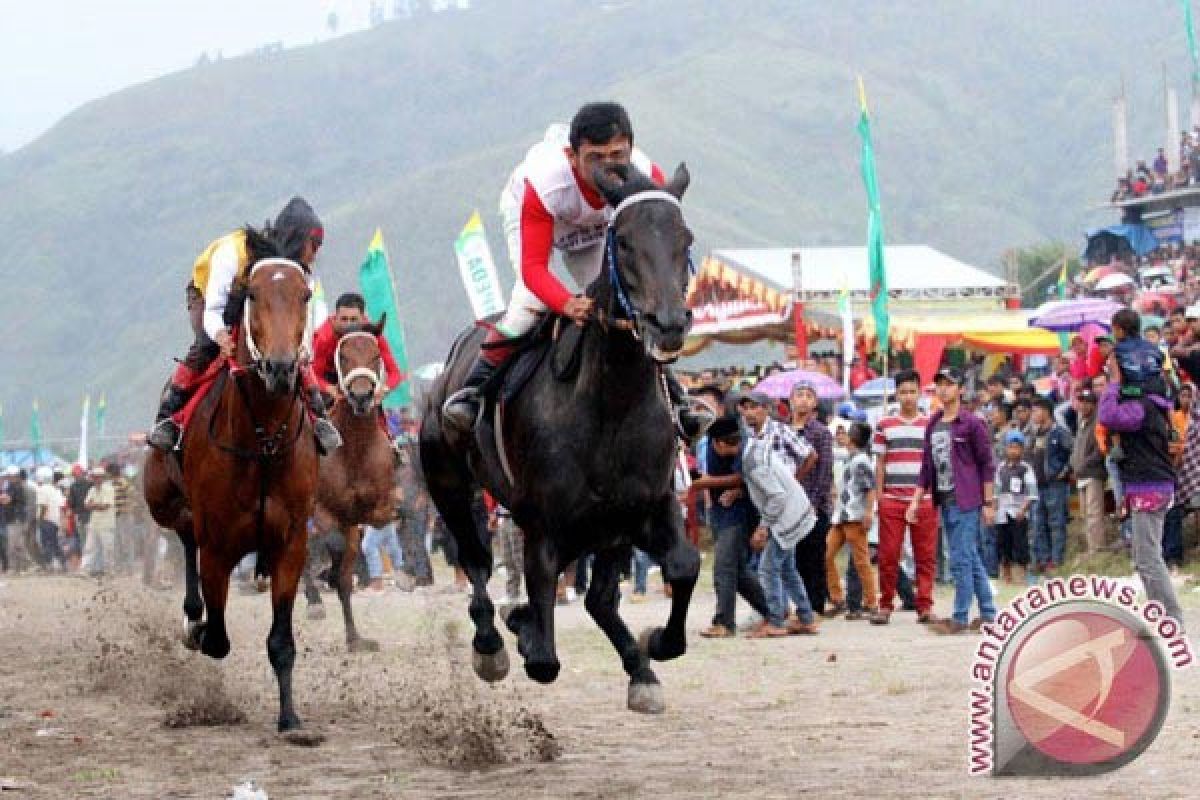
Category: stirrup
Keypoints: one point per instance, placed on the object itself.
(693, 420)
(461, 409)
(328, 437)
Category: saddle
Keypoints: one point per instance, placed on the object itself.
(554, 337)
(203, 384)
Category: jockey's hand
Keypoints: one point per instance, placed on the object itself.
(225, 342)
(578, 308)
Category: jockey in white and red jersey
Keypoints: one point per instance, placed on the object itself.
(218, 272)
(551, 202)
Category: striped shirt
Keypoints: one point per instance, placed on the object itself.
(900, 443)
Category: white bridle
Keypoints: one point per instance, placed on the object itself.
(306, 342)
(638, 197)
(378, 377)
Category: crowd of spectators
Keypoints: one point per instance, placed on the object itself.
(1143, 180)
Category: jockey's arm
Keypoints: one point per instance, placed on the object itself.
(324, 346)
(222, 272)
(537, 240)
(394, 375)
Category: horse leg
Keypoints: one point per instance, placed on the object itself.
(214, 582)
(663, 540)
(343, 569)
(193, 604)
(602, 602)
(534, 622)
(286, 566)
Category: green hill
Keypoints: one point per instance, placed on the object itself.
(992, 127)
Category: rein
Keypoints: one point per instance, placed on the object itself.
(377, 377)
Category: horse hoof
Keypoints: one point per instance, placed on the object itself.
(213, 648)
(301, 737)
(193, 632)
(315, 612)
(361, 645)
(542, 672)
(490, 668)
(647, 698)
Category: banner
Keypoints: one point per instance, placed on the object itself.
(83, 432)
(1191, 225)
(1167, 228)
(35, 431)
(722, 300)
(101, 416)
(379, 290)
(847, 314)
(319, 307)
(478, 270)
(878, 270)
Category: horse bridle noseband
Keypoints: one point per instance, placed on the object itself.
(377, 377)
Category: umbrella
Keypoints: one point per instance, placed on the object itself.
(876, 387)
(1071, 315)
(780, 384)
(1157, 303)
(1153, 321)
(1118, 280)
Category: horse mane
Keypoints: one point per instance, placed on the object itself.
(260, 243)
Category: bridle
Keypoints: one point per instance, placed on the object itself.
(377, 377)
(247, 314)
(631, 320)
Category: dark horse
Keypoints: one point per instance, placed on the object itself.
(591, 460)
(247, 473)
(356, 480)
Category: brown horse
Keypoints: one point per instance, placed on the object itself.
(355, 486)
(246, 477)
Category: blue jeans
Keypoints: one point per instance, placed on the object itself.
(1050, 522)
(970, 578)
(1114, 476)
(987, 550)
(1172, 542)
(375, 541)
(781, 582)
(641, 567)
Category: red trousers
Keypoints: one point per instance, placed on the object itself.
(891, 543)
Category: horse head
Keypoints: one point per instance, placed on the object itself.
(276, 322)
(647, 259)
(360, 370)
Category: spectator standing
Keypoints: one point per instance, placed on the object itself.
(732, 519)
(1016, 492)
(1050, 454)
(1087, 463)
(1173, 525)
(817, 481)
(7, 492)
(1147, 470)
(510, 547)
(958, 469)
(898, 446)
(377, 541)
(81, 484)
(50, 504)
(100, 546)
(853, 518)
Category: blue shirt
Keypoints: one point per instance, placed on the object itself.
(742, 511)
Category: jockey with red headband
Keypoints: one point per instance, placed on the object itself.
(551, 202)
(223, 267)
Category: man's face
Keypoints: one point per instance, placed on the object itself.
(1013, 451)
(346, 318)
(1106, 347)
(308, 254)
(804, 401)
(1099, 384)
(999, 418)
(1022, 415)
(754, 414)
(618, 150)
(1179, 324)
(727, 446)
(1040, 416)
(1153, 335)
(907, 395)
(1014, 382)
(948, 392)
(1087, 407)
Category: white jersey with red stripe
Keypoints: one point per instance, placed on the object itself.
(578, 224)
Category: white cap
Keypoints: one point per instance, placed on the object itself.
(1193, 311)
(12, 471)
(44, 474)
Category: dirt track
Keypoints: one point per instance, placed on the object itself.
(124, 711)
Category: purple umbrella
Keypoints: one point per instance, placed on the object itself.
(1071, 315)
(781, 383)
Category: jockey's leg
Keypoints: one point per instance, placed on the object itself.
(167, 431)
(461, 409)
(328, 438)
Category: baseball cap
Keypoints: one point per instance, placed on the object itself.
(950, 374)
(1014, 437)
(1193, 311)
(845, 409)
(758, 398)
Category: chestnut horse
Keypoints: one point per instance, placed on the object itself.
(246, 476)
(356, 480)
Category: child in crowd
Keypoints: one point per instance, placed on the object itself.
(1016, 492)
(852, 519)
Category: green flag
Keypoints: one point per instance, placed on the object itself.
(878, 271)
(379, 290)
(1064, 341)
(35, 431)
(1191, 37)
(101, 414)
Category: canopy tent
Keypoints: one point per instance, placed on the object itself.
(1101, 244)
(742, 296)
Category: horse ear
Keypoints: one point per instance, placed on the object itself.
(611, 181)
(377, 328)
(679, 181)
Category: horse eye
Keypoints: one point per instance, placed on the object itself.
(250, 295)
(308, 296)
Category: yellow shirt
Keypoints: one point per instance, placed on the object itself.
(202, 268)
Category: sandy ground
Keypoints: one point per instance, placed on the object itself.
(98, 699)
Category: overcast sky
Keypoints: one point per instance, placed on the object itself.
(57, 54)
